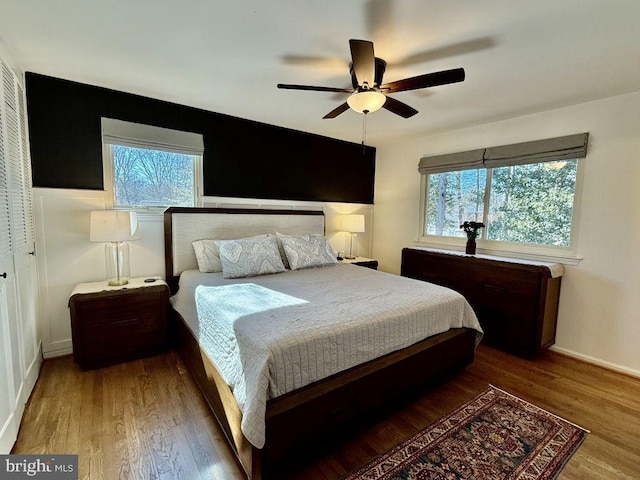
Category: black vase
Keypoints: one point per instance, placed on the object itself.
(471, 246)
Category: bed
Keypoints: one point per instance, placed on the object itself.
(288, 356)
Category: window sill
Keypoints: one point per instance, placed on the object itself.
(566, 259)
(149, 214)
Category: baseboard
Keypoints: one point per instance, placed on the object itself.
(596, 361)
(59, 348)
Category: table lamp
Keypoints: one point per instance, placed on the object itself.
(116, 228)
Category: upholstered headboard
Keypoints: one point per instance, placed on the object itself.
(184, 225)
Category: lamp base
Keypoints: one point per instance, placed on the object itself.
(352, 254)
(117, 263)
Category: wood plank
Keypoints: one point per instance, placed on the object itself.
(147, 418)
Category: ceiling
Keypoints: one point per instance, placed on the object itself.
(520, 56)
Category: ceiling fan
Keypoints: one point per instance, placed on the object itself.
(369, 93)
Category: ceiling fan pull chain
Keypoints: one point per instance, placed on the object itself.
(364, 132)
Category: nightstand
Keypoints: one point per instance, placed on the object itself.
(115, 324)
(362, 262)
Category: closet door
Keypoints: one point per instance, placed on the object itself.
(10, 368)
(20, 359)
(23, 236)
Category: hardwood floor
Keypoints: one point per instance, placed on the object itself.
(146, 419)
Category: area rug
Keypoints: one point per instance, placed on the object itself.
(495, 436)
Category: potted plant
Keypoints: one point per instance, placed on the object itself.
(471, 229)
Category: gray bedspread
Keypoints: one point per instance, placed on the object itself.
(272, 334)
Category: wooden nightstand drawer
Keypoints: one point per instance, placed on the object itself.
(132, 312)
(117, 325)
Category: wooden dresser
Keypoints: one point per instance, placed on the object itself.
(516, 301)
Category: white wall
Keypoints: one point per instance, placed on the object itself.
(66, 257)
(599, 316)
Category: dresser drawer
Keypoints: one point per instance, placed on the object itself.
(450, 271)
(505, 281)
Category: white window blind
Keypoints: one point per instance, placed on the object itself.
(538, 151)
(128, 134)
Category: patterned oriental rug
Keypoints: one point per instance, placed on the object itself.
(495, 436)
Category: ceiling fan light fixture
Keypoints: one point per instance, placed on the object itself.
(367, 101)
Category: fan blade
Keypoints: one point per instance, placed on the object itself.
(316, 89)
(316, 61)
(456, 49)
(379, 20)
(399, 108)
(425, 81)
(337, 111)
(363, 62)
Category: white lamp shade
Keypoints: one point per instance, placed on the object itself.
(113, 226)
(367, 101)
(352, 223)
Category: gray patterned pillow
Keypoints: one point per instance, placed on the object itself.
(207, 254)
(306, 251)
(249, 257)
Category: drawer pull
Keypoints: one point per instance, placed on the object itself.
(493, 288)
(4, 275)
(126, 321)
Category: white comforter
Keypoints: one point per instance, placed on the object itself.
(272, 334)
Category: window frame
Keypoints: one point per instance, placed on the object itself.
(150, 137)
(564, 254)
(109, 183)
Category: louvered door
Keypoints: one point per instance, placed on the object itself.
(10, 364)
(14, 160)
(20, 358)
(6, 249)
(21, 217)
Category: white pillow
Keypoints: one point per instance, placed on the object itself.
(207, 256)
(249, 257)
(307, 251)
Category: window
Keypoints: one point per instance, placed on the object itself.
(525, 194)
(152, 178)
(150, 167)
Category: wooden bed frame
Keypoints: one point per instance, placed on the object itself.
(324, 406)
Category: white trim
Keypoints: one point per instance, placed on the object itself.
(62, 352)
(458, 245)
(596, 361)
(238, 202)
(108, 182)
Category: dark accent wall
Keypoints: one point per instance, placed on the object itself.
(242, 158)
